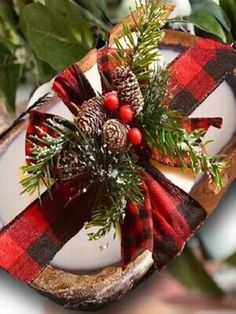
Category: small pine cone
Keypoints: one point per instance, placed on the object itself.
(128, 89)
(91, 116)
(114, 135)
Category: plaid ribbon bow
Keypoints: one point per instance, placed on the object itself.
(168, 216)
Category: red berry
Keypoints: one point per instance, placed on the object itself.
(111, 101)
(135, 136)
(126, 114)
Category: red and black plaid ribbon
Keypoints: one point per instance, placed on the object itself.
(190, 124)
(73, 88)
(164, 222)
(34, 237)
(197, 72)
(168, 216)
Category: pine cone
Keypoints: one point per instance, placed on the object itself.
(128, 89)
(114, 135)
(91, 116)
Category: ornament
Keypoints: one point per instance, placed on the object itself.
(115, 189)
(126, 114)
(135, 136)
(128, 89)
(114, 135)
(111, 101)
(91, 116)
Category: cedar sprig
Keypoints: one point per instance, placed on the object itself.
(48, 156)
(44, 156)
(149, 20)
(89, 158)
(163, 129)
(115, 175)
(121, 183)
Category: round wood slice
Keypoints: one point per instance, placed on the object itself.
(93, 290)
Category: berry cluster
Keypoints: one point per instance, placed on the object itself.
(125, 114)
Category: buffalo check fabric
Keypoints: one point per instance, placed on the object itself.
(168, 215)
(175, 214)
(107, 61)
(73, 88)
(190, 124)
(198, 71)
(105, 66)
(38, 127)
(162, 224)
(34, 237)
(137, 228)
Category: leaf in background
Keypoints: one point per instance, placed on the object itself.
(229, 6)
(7, 12)
(4, 53)
(207, 23)
(19, 5)
(44, 72)
(91, 6)
(95, 7)
(71, 12)
(8, 24)
(189, 271)
(102, 4)
(94, 12)
(9, 78)
(213, 9)
(232, 260)
(54, 38)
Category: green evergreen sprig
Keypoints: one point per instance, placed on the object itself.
(121, 183)
(43, 157)
(149, 20)
(71, 155)
(116, 177)
(163, 129)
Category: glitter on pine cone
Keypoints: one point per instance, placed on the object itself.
(128, 89)
(114, 135)
(91, 116)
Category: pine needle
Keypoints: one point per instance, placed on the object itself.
(163, 129)
(149, 21)
(43, 156)
(75, 155)
(121, 183)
